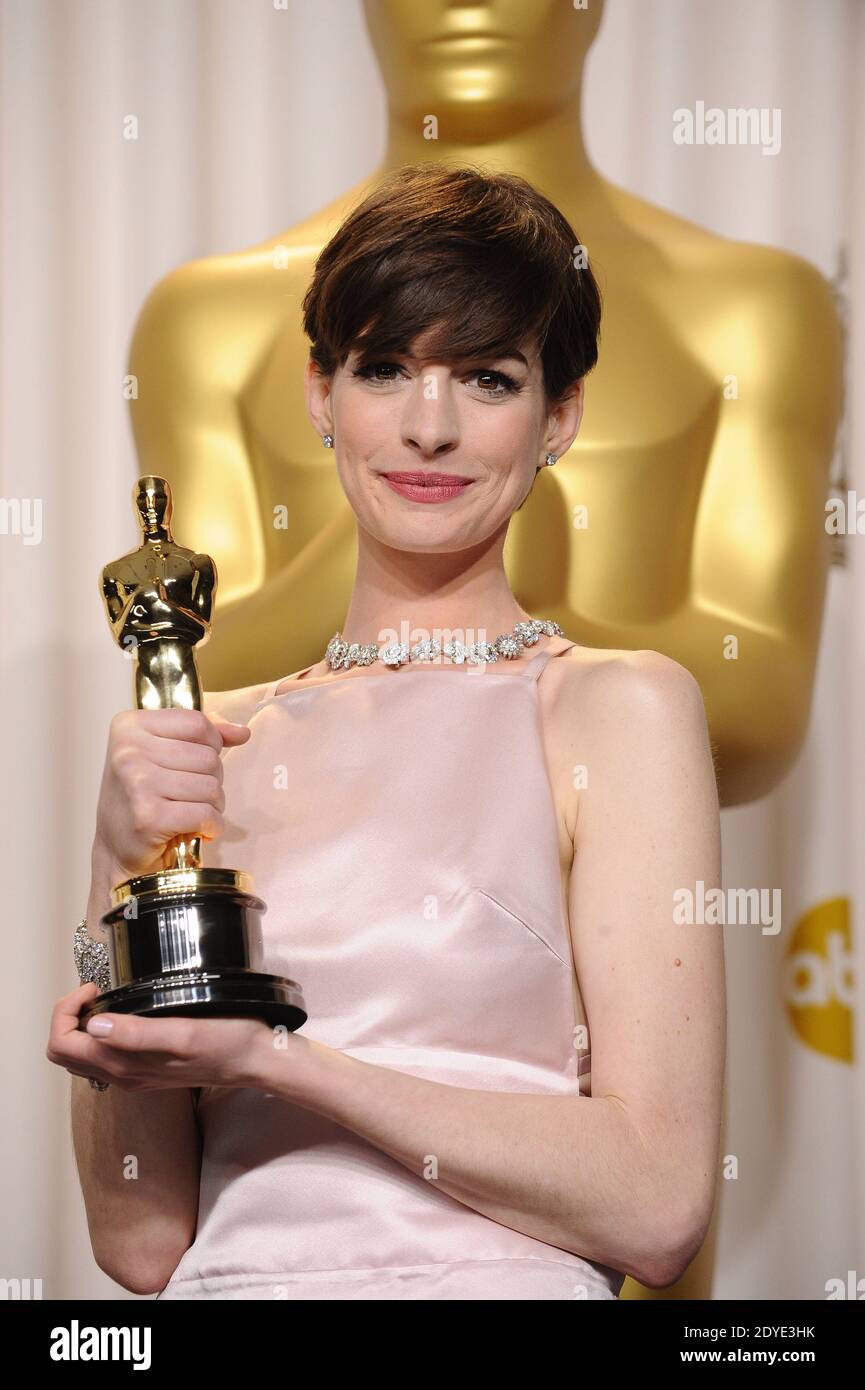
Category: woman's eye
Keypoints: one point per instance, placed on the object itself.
(368, 371)
(500, 379)
(501, 383)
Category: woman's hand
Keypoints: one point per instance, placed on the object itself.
(147, 1054)
(162, 778)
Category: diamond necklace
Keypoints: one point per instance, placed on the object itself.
(340, 654)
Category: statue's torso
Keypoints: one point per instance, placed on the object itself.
(661, 528)
(157, 590)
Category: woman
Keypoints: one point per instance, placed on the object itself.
(509, 1084)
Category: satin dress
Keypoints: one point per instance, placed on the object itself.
(400, 827)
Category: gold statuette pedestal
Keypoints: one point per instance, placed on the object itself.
(184, 939)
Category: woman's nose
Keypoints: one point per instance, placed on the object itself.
(430, 424)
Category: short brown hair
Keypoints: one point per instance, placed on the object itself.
(479, 261)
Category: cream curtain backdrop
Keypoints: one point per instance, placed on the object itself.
(250, 118)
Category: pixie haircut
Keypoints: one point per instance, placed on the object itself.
(478, 261)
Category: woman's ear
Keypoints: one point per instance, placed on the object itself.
(316, 390)
(565, 418)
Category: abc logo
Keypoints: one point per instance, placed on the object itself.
(818, 979)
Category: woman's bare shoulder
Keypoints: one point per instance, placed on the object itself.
(597, 690)
(618, 668)
(619, 710)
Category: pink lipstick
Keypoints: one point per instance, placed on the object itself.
(427, 487)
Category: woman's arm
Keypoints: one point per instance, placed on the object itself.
(139, 1160)
(625, 1177)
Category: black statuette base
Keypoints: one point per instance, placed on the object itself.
(204, 994)
(189, 944)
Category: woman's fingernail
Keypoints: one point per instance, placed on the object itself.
(100, 1025)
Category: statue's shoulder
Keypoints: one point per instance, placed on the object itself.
(124, 567)
(733, 294)
(201, 290)
(766, 274)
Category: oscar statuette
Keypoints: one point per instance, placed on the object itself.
(185, 939)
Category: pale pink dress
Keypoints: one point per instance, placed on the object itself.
(400, 826)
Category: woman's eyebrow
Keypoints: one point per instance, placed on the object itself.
(512, 356)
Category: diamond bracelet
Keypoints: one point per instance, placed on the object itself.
(91, 958)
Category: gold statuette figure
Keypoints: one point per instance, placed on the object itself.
(185, 939)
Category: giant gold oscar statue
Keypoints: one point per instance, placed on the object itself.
(706, 535)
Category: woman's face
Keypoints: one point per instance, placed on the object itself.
(486, 421)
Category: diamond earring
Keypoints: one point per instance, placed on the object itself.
(551, 459)
(327, 441)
